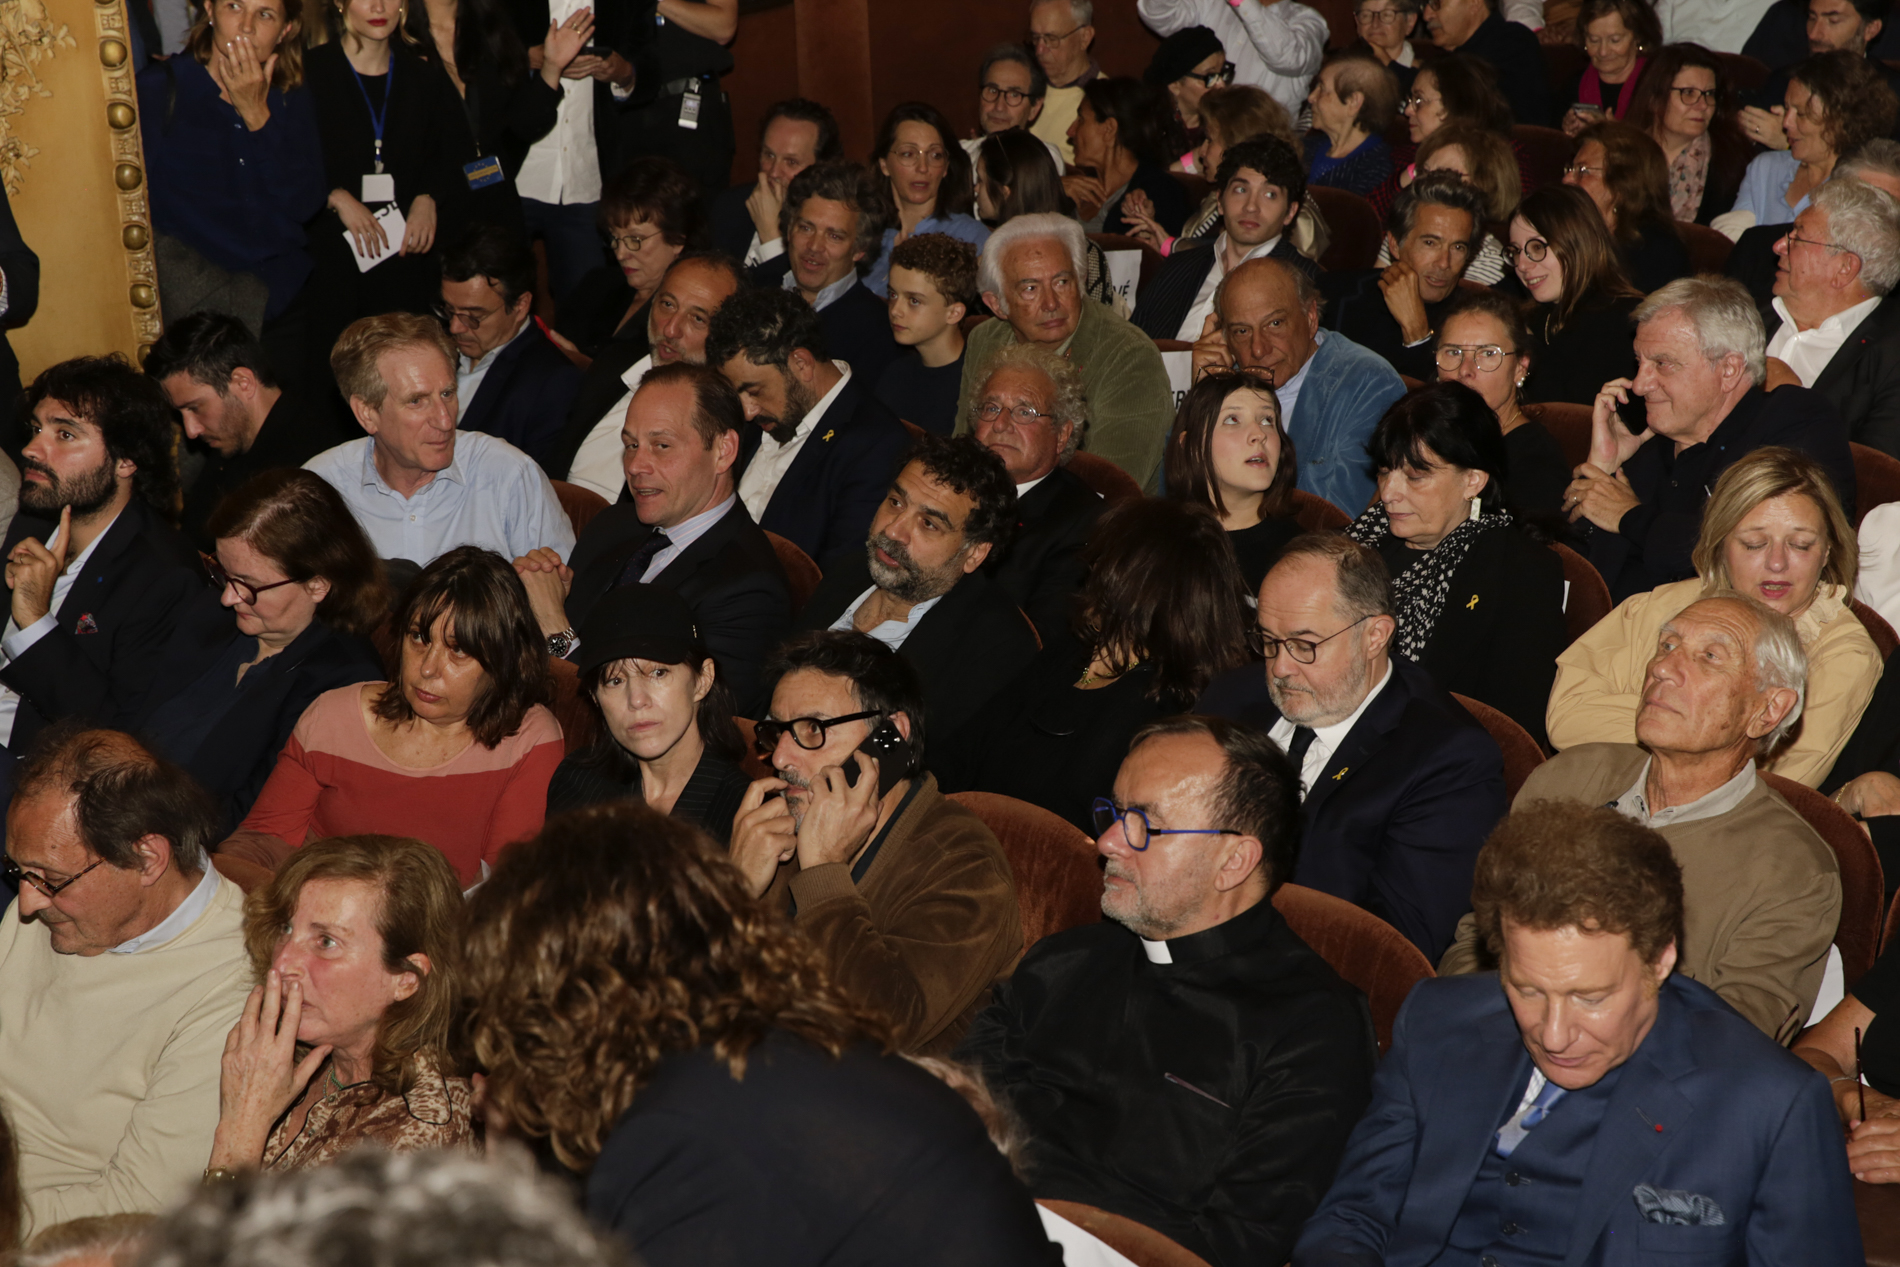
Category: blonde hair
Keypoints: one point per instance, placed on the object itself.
(356, 358)
(1766, 473)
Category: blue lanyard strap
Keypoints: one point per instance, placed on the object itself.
(377, 118)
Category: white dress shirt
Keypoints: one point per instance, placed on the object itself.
(1204, 300)
(196, 903)
(684, 533)
(564, 166)
(1276, 48)
(769, 464)
(829, 294)
(469, 374)
(597, 462)
(889, 632)
(1807, 352)
(17, 641)
(1326, 739)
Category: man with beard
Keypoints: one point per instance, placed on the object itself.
(906, 892)
(1399, 785)
(916, 587)
(100, 577)
(830, 445)
(1188, 1062)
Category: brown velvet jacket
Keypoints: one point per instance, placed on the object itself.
(930, 929)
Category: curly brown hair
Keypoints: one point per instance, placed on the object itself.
(1562, 864)
(614, 939)
(1856, 103)
(420, 913)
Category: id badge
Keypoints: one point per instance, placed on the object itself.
(483, 172)
(689, 108)
(378, 187)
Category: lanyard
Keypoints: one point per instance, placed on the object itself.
(377, 118)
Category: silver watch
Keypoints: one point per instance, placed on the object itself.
(561, 645)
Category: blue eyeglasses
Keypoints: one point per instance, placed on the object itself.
(1136, 829)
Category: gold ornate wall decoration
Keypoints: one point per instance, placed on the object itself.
(27, 38)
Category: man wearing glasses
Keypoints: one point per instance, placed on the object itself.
(1275, 45)
(510, 379)
(1060, 32)
(1011, 91)
(122, 970)
(1399, 785)
(906, 892)
(1187, 1062)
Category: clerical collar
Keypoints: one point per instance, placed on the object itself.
(1157, 951)
(1237, 933)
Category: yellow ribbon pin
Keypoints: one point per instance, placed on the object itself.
(1342, 773)
(1472, 604)
(830, 434)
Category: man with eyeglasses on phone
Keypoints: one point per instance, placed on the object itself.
(1400, 785)
(907, 893)
(1188, 1062)
(510, 379)
(1011, 89)
(122, 970)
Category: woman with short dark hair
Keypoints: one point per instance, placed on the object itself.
(457, 750)
(1581, 335)
(1164, 609)
(306, 591)
(1229, 451)
(1479, 603)
(649, 213)
(1016, 177)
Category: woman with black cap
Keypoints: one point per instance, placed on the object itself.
(667, 735)
(1187, 64)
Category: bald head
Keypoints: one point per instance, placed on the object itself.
(1269, 312)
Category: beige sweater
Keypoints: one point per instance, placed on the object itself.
(109, 1064)
(1600, 678)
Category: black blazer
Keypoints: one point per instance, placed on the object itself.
(1656, 260)
(1041, 567)
(22, 269)
(1862, 379)
(1514, 55)
(1395, 821)
(1165, 302)
(857, 324)
(1597, 344)
(826, 498)
(1875, 745)
(1172, 206)
(709, 801)
(1753, 261)
(590, 316)
(142, 587)
(730, 577)
(1355, 306)
(291, 434)
(965, 649)
(525, 397)
(730, 224)
(239, 755)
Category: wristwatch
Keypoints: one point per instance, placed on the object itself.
(561, 645)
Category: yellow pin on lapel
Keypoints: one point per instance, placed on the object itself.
(1472, 604)
(830, 434)
(1342, 773)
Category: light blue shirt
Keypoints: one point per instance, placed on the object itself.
(196, 903)
(492, 495)
(829, 294)
(889, 632)
(959, 226)
(1765, 188)
(685, 533)
(1288, 393)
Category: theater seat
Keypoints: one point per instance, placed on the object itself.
(1521, 753)
(1876, 480)
(1569, 426)
(801, 574)
(1137, 1242)
(1056, 868)
(1546, 152)
(1315, 514)
(1588, 598)
(1357, 231)
(1877, 628)
(1151, 259)
(1360, 946)
(1708, 248)
(581, 504)
(1863, 887)
(1113, 484)
(579, 726)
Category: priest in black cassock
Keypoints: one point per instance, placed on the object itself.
(1191, 1065)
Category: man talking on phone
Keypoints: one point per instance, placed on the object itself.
(907, 893)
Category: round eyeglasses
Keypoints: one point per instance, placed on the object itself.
(1013, 96)
(1486, 356)
(1136, 829)
(1305, 650)
(1536, 250)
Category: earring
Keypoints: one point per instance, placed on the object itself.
(1476, 509)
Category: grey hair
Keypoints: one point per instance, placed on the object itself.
(1083, 11)
(376, 1209)
(1879, 157)
(1071, 397)
(1019, 229)
(1362, 586)
(1780, 662)
(1723, 314)
(1862, 220)
(1304, 291)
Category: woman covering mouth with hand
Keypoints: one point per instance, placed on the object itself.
(1773, 531)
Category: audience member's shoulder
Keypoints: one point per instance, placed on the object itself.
(1116, 332)
(1729, 1048)
(1440, 1004)
(492, 456)
(1590, 772)
(1345, 357)
(345, 458)
(538, 726)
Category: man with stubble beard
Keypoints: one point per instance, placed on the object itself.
(99, 576)
(916, 584)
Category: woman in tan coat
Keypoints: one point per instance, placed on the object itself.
(1773, 531)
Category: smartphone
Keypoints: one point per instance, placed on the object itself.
(1585, 107)
(892, 751)
(1634, 413)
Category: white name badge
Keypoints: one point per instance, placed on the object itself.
(380, 187)
(1180, 367)
(1124, 273)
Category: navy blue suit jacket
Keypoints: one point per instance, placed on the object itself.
(525, 397)
(1395, 821)
(825, 499)
(1707, 1104)
(728, 222)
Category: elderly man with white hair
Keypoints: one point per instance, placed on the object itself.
(1700, 365)
(1031, 273)
(1761, 890)
(1835, 323)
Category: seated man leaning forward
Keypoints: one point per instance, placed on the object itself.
(1187, 1063)
(1031, 273)
(1586, 1104)
(907, 892)
(122, 968)
(417, 485)
(1724, 687)
(1332, 392)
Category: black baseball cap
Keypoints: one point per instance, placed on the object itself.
(643, 622)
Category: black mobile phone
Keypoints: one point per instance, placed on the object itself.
(892, 751)
(1635, 414)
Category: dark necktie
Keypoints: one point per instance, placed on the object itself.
(636, 565)
(1303, 737)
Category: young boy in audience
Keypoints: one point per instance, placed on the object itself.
(933, 277)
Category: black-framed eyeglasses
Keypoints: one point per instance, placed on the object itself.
(1689, 96)
(1021, 415)
(633, 242)
(1487, 356)
(1014, 96)
(16, 876)
(1305, 650)
(1379, 17)
(247, 593)
(1137, 830)
(469, 317)
(807, 732)
(1536, 250)
(1225, 75)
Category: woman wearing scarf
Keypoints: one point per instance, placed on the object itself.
(1618, 36)
(1479, 602)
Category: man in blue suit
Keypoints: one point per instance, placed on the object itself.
(1398, 784)
(1583, 1105)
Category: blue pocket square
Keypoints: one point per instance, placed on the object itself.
(1673, 1206)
